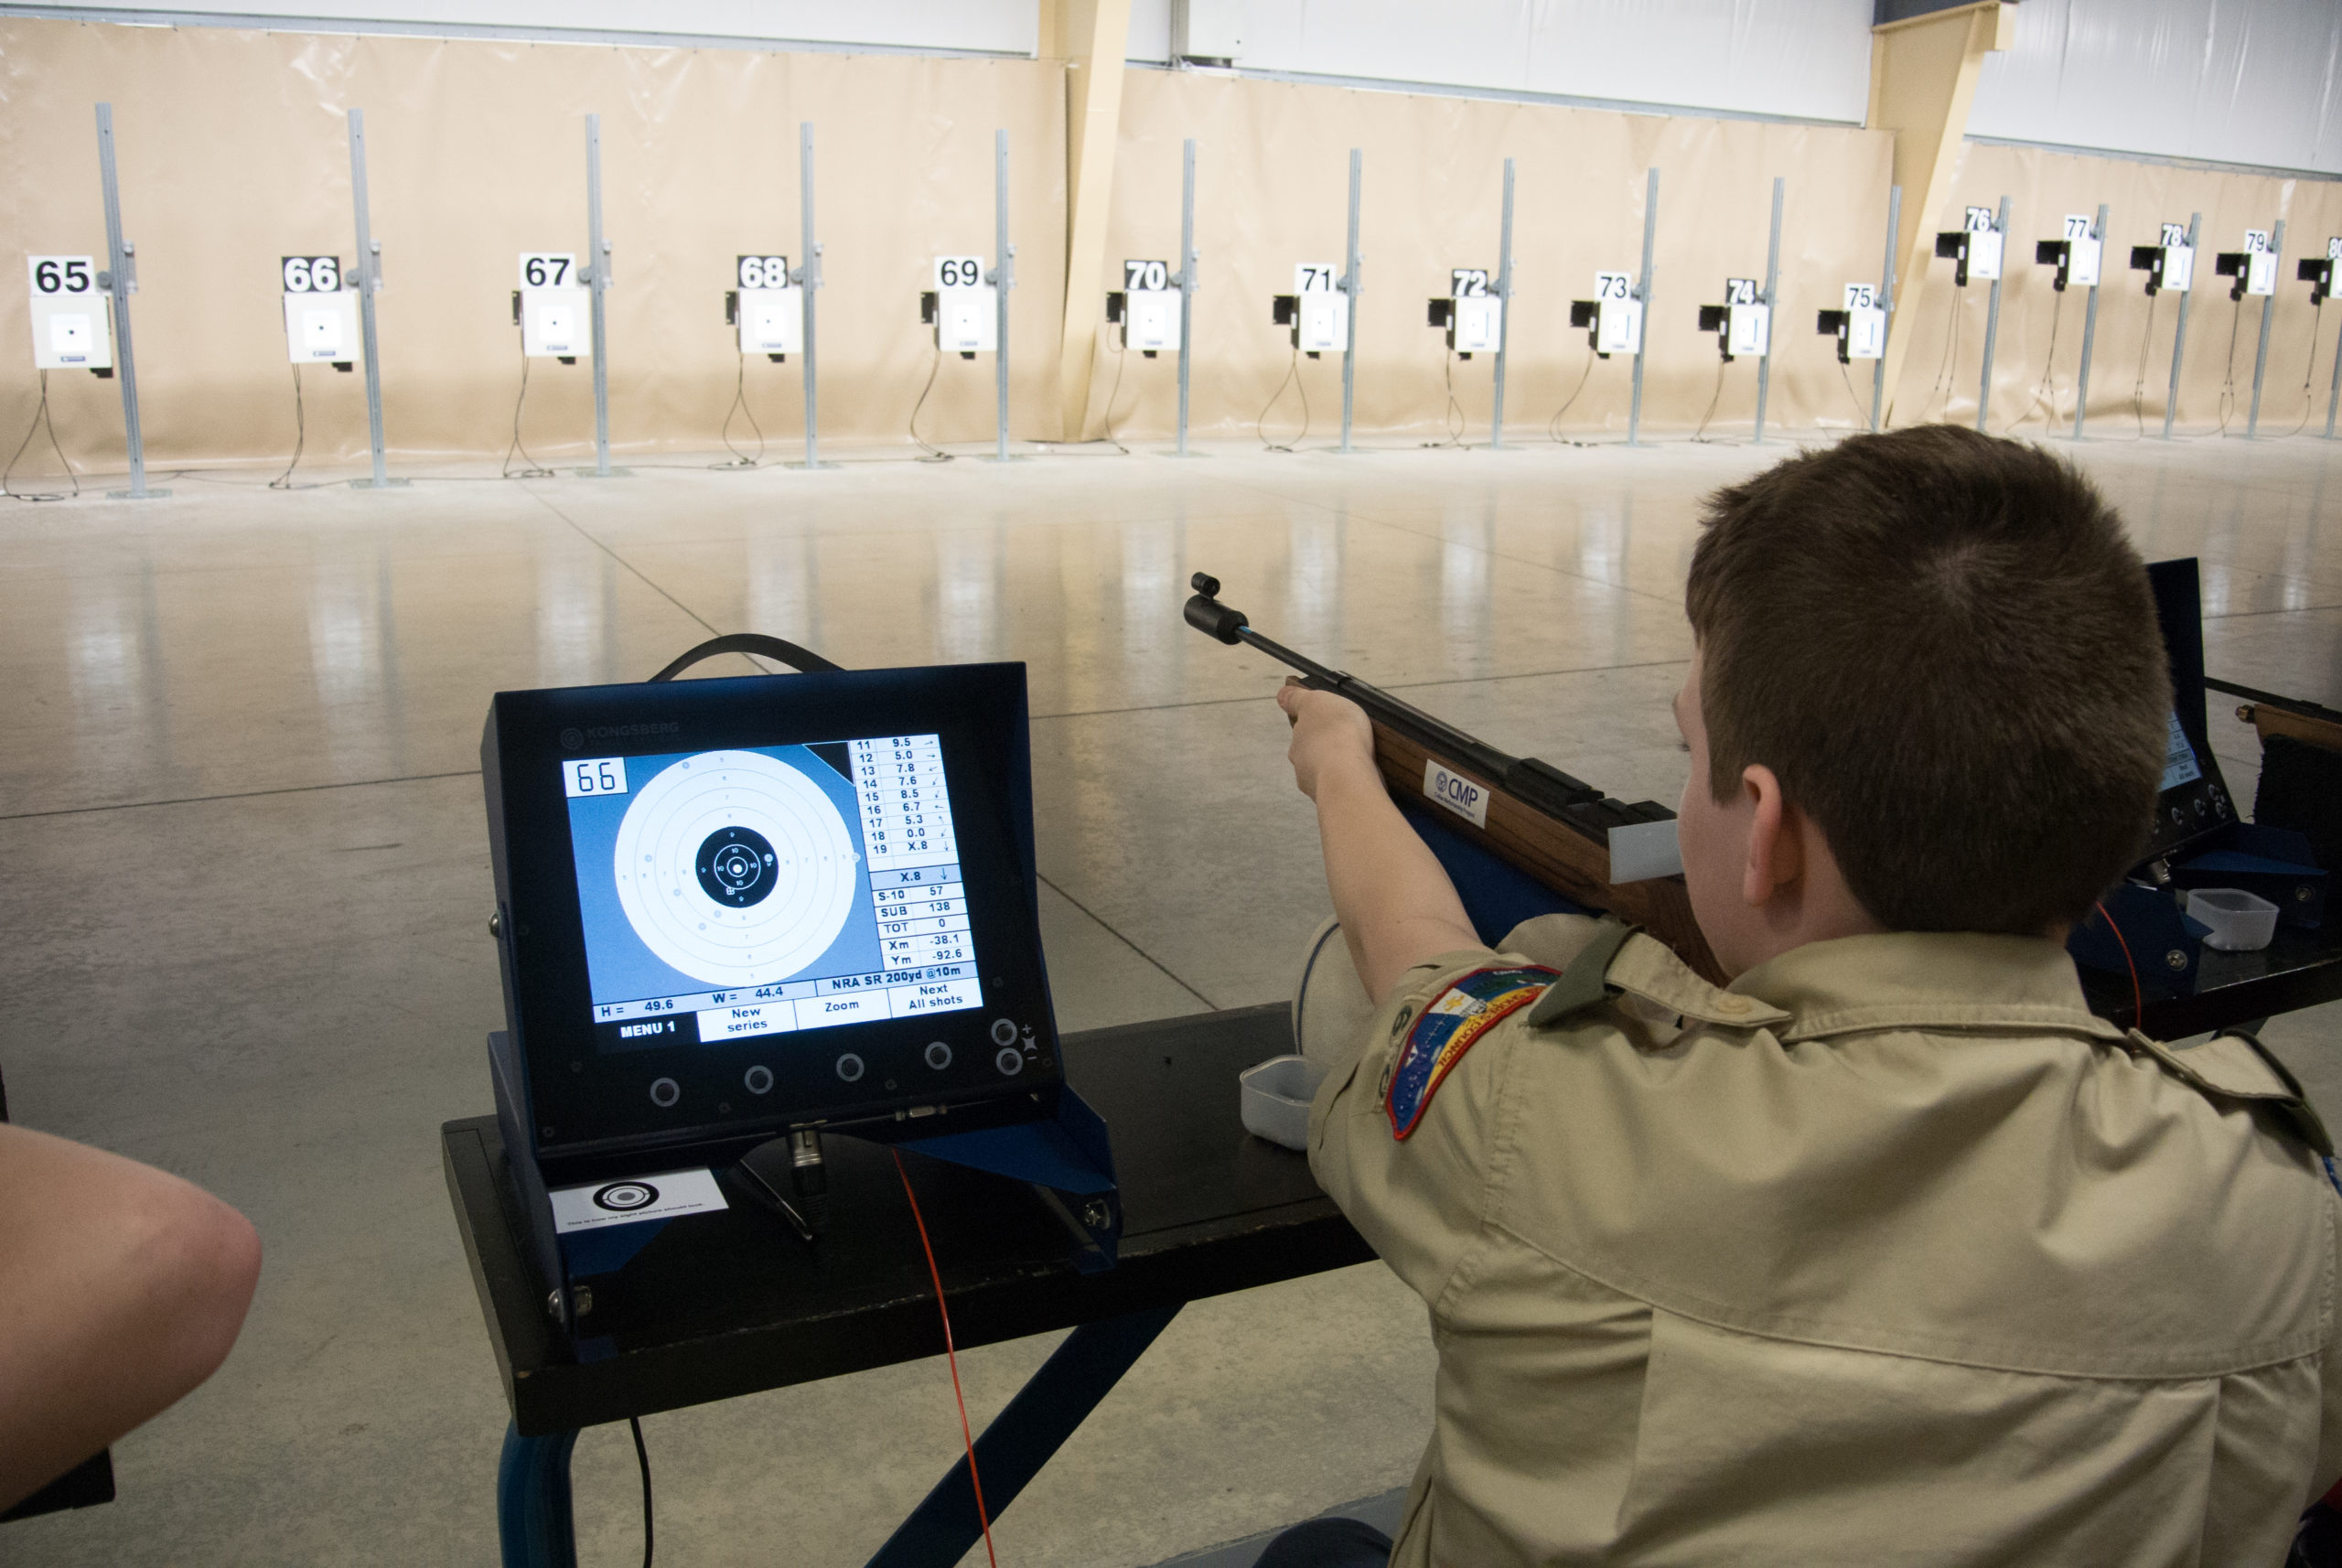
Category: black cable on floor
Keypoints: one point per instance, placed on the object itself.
(1950, 369)
(1554, 425)
(642, 1458)
(1292, 374)
(2048, 385)
(1122, 354)
(1862, 415)
(534, 469)
(41, 416)
(2228, 387)
(1454, 413)
(1700, 435)
(2139, 391)
(283, 481)
(934, 454)
(2309, 398)
(740, 405)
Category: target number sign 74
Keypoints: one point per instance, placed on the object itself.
(1740, 291)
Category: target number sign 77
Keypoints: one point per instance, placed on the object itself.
(2077, 226)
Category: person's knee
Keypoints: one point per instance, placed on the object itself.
(1328, 1543)
(196, 1262)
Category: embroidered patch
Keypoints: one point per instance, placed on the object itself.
(1458, 1015)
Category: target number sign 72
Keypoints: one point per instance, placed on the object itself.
(1147, 277)
(548, 269)
(762, 272)
(311, 275)
(1468, 283)
(958, 271)
(61, 274)
(594, 776)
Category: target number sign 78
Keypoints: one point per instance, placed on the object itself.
(594, 776)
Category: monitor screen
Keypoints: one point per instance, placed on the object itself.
(2179, 765)
(767, 889)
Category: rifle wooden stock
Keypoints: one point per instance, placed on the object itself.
(1555, 853)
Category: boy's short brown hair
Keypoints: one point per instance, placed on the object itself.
(1945, 647)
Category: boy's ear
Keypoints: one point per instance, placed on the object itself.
(1776, 838)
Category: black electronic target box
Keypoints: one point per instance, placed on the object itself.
(733, 910)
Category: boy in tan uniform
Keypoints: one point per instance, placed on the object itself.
(1891, 1251)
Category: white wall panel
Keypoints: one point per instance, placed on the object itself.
(2243, 81)
(1004, 26)
(1802, 58)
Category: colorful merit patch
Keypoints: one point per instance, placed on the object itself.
(1458, 1015)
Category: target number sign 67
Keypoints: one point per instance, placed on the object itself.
(594, 776)
(958, 271)
(1147, 277)
(762, 272)
(61, 274)
(548, 269)
(311, 275)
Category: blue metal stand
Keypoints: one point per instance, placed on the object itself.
(533, 1523)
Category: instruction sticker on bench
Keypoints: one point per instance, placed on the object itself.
(666, 1196)
(1458, 794)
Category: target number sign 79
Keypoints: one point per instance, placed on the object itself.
(61, 274)
(311, 275)
(548, 269)
(1147, 277)
(958, 271)
(594, 776)
(762, 272)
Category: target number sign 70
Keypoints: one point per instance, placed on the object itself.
(1147, 277)
(311, 275)
(958, 271)
(594, 776)
(548, 269)
(762, 272)
(61, 274)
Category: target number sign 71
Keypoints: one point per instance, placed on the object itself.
(1313, 278)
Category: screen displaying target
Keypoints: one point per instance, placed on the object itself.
(764, 890)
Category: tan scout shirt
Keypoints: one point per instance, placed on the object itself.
(1895, 1253)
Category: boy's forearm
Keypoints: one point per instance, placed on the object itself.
(1394, 899)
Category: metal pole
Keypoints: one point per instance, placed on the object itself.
(1350, 291)
(597, 257)
(1187, 259)
(2335, 394)
(808, 281)
(1886, 304)
(2179, 336)
(1772, 280)
(366, 272)
(1992, 321)
(2268, 309)
(1504, 310)
(1642, 294)
(1003, 279)
(2089, 327)
(121, 279)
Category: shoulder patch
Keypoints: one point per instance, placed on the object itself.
(1467, 1008)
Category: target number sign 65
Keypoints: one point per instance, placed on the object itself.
(61, 274)
(548, 269)
(1147, 277)
(958, 271)
(594, 776)
(1313, 278)
(1468, 283)
(311, 275)
(763, 271)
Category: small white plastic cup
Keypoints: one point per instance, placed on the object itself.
(1276, 1096)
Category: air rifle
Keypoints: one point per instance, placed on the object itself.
(1560, 830)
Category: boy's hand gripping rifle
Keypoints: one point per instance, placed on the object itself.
(1561, 831)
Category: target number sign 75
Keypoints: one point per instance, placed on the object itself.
(61, 274)
(594, 776)
(1861, 296)
(548, 269)
(1147, 277)
(958, 271)
(762, 272)
(311, 275)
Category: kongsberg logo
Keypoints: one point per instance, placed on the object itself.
(570, 739)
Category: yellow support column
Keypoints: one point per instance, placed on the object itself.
(1922, 84)
(1092, 36)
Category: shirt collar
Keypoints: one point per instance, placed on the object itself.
(1925, 979)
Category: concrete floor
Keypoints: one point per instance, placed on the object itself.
(243, 920)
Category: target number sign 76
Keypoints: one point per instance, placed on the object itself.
(61, 274)
(594, 776)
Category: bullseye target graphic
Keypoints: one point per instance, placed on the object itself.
(735, 868)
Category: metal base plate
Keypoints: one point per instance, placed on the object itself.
(612, 474)
(383, 485)
(134, 496)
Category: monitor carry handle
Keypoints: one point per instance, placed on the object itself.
(804, 660)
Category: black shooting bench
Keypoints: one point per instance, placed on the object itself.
(736, 1303)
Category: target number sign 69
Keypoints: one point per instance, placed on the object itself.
(311, 275)
(1147, 277)
(61, 274)
(1468, 283)
(762, 272)
(958, 271)
(1740, 291)
(1613, 286)
(548, 269)
(1313, 278)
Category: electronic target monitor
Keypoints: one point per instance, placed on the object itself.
(729, 907)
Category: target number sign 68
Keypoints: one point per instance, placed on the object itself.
(1147, 277)
(763, 271)
(594, 776)
(548, 269)
(61, 274)
(311, 275)
(958, 271)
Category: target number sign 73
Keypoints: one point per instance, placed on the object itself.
(1613, 286)
(61, 274)
(1147, 277)
(958, 271)
(311, 275)
(548, 269)
(762, 272)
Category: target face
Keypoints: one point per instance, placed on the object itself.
(735, 868)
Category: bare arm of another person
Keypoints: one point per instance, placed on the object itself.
(120, 1288)
(1395, 902)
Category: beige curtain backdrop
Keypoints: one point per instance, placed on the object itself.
(234, 152)
(2043, 187)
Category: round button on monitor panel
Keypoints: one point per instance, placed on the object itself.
(665, 1091)
(850, 1067)
(938, 1055)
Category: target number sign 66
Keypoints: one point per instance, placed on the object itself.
(1147, 277)
(594, 776)
(763, 271)
(548, 269)
(311, 275)
(61, 274)
(1468, 283)
(958, 271)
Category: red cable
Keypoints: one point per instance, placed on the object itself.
(950, 1356)
(2138, 1000)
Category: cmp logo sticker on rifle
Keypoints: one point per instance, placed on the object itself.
(1458, 794)
(1458, 1015)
